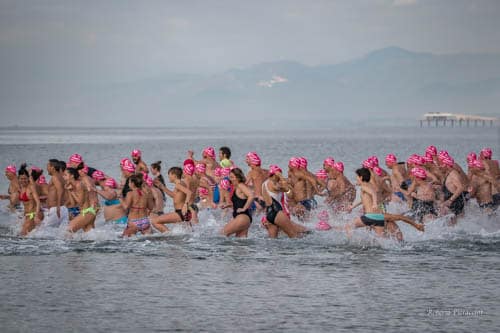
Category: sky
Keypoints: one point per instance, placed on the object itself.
(48, 46)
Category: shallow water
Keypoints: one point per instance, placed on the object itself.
(445, 279)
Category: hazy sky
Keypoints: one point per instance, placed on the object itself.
(57, 43)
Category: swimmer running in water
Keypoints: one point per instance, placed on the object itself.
(276, 219)
(29, 197)
(13, 192)
(374, 217)
(241, 198)
(181, 195)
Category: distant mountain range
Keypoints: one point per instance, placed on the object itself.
(388, 85)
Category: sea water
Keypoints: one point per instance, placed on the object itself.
(446, 279)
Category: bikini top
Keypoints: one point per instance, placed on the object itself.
(23, 196)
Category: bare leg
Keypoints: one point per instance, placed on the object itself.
(237, 225)
(130, 230)
(272, 230)
(290, 228)
(393, 218)
(80, 222)
(28, 226)
(159, 221)
(393, 230)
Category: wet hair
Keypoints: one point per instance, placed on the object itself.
(226, 152)
(62, 166)
(23, 171)
(176, 171)
(80, 166)
(73, 172)
(156, 165)
(136, 179)
(56, 164)
(36, 174)
(239, 175)
(364, 173)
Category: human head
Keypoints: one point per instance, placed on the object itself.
(321, 174)
(209, 152)
(253, 159)
(156, 168)
(363, 175)
(274, 170)
(445, 159)
(391, 160)
(174, 173)
(189, 169)
(71, 174)
(201, 168)
(418, 173)
(10, 172)
(110, 182)
(23, 175)
(53, 166)
(328, 163)
(136, 155)
(75, 160)
(98, 175)
(237, 176)
(486, 154)
(224, 153)
(136, 181)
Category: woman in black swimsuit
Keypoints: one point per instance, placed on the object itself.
(241, 198)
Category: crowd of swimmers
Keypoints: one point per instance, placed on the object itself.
(432, 185)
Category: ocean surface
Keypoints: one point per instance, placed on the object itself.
(446, 279)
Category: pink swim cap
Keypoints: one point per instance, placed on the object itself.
(253, 159)
(374, 160)
(110, 182)
(98, 175)
(225, 184)
(201, 168)
(323, 215)
(11, 168)
(445, 158)
(148, 180)
(323, 226)
(218, 172)
(128, 166)
(329, 161)
(339, 166)
(418, 172)
(202, 191)
(391, 159)
(478, 164)
(415, 160)
(487, 153)
(471, 156)
(226, 171)
(75, 159)
(294, 162)
(41, 180)
(378, 171)
(368, 164)
(189, 169)
(36, 169)
(209, 152)
(321, 174)
(427, 159)
(274, 169)
(85, 169)
(431, 150)
(303, 163)
(136, 153)
(124, 161)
